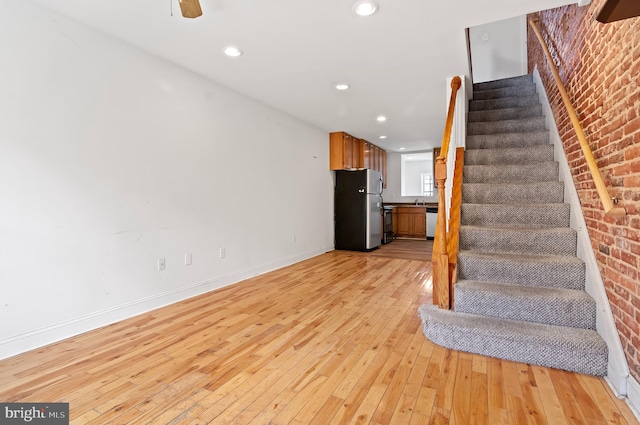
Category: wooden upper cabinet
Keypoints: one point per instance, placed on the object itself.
(342, 151)
(347, 153)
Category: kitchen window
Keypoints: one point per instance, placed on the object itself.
(427, 184)
(416, 174)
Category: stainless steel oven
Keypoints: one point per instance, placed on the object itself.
(387, 231)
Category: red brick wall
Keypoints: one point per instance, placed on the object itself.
(599, 64)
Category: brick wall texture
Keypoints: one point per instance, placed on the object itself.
(599, 65)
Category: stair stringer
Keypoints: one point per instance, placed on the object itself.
(617, 367)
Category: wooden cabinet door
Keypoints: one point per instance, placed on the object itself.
(376, 158)
(419, 224)
(411, 222)
(404, 224)
(347, 143)
(366, 153)
(358, 153)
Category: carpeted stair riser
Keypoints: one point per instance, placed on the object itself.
(526, 155)
(505, 114)
(505, 82)
(531, 270)
(581, 350)
(504, 102)
(513, 193)
(507, 126)
(551, 306)
(532, 241)
(507, 140)
(511, 91)
(521, 173)
(520, 215)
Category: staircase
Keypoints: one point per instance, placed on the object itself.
(520, 292)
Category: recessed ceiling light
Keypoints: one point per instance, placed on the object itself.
(381, 118)
(401, 149)
(232, 51)
(382, 137)
(365, 7)
(342, 86)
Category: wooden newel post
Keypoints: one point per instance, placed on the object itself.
(440, 258)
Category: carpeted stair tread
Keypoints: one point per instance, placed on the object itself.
(513, 193)
(524, 155)
(507, 140)
(504, 102)
(505, 113)
(552, 306)
(553, 271)
(519, 240)
(519, 80)
(572, 349)
(520, 173)
(509, 91)
(521, 125)
(516, 215)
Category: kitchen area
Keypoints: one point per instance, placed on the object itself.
(406, 200)
(410, 221)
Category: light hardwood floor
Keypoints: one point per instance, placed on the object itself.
(332, 340)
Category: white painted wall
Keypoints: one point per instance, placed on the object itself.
(499, 49)
(111, 158)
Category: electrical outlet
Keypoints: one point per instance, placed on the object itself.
(223, 252)
(187, 259)
(161, 264)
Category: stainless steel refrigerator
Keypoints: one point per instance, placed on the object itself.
(358, 201)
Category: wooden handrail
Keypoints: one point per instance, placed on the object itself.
(439, 256)
(607, 201)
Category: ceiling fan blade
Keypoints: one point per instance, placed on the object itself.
(190, 8)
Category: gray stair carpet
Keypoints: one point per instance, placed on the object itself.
(520, 291)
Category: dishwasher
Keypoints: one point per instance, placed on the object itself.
(432, 217)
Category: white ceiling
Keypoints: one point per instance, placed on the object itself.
(396, 61)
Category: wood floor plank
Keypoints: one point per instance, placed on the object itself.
(495, 385)
(516, 410)
(548, 397)
(479, 404)
(446, 382)
(533, 404)
(570, 407)
(335, 339)
(462, 394)
(605, 401)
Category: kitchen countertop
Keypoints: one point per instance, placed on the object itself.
(412, 205)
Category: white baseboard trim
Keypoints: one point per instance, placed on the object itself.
(633, 396)
(57, 332)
